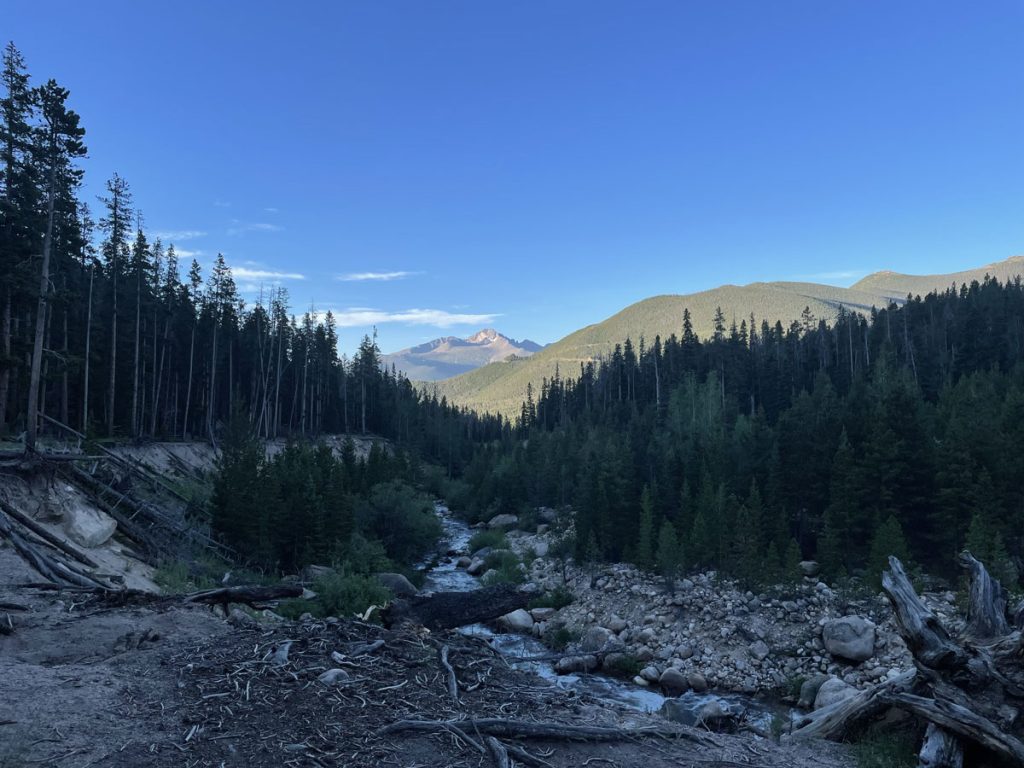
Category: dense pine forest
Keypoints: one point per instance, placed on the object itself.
(104, 330)
(745, 451)
(762, 445)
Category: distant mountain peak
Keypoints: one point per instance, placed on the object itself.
(449, 356)
(486, 335)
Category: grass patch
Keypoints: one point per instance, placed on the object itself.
(487, 538)
(557, 598)
(896, 749)
(560, 637)
(624, 665)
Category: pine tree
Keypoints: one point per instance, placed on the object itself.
(669, 557)
(644, 556)
(58, 144)
(888, 541)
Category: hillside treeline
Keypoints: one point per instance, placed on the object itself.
(765, 444)
(103, 328)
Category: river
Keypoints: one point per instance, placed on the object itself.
(442, 575)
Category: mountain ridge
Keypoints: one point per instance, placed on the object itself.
(501, 386)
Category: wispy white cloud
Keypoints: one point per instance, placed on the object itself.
(184, 253)
(221, 204)
(357, 277)
(439, 318)
(271, 210)
(246, 273)
(241, 227)
(178, 235)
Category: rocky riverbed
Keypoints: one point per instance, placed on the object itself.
(703, 632)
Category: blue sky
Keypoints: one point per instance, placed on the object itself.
(537, 166)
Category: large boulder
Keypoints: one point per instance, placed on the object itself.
(476, 567)
(673, 681)
(851, 638)
(832, 691)
(595, 639)
(518, 621)
(759, 650)
(697, 682)
(809, 690)
(314, 572)
(809, 568)
(88, 527)
(398, 584)
(504, 521)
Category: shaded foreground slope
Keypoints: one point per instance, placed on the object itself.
(197, 691)
(501, 387)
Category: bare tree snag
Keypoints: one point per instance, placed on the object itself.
(923, 633)
(986, 606)
(940, 750)
(968, 692)
(448, 610)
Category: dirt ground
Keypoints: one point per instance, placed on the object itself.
(87, 682)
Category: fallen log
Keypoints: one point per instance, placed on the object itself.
(249, 595)
(448, 610)
(495, 726)
(48, 537)
(50, 568)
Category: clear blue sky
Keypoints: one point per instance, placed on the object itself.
(538, 165)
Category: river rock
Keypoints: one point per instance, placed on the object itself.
(503, 521)
(650, 674)
(673, 681)
(540, 549)
(476, 567)
(697, 681)
(542, 614)
(569, 664)
(88, 527)
(616, 625)
(398, 584)
(595, 639)
(850, 637)
(832, 691)
(809, 568)
(759, 650)
(809, 690)
(463, 562)
(518, 620)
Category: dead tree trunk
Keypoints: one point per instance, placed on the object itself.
(969, 690)
(448, 610)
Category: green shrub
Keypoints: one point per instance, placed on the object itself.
(402, 519)
(507, 573)
(488, 538)
(624, 665)
(342, 595)
(501, 558)
(556, 598)
(559, 637)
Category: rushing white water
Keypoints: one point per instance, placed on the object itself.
(444, 576)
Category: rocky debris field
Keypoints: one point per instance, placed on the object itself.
(137, 680)
(705, 632)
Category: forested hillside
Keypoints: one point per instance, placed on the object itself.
(499, 387)
(103, 328)
(758, 446)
